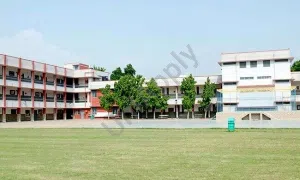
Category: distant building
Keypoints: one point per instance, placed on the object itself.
(253, 85)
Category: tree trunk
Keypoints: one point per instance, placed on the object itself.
(161, 112)
(193, 116)
(138, 114)
(122, 114)
(205, 114)
(154, 113)
(107, 114)
(147, 114)
(188, 115)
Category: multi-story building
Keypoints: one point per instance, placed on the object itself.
(253, 85)
(31, 90)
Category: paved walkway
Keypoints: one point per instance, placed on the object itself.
(170, 123)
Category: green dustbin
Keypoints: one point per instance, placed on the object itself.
(231, 124)
(92, 117)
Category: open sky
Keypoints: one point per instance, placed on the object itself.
(114, 33)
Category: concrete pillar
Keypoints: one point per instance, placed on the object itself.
(19, 115)
(65, 114)
(176, 108)
(4, 115)
(44, 114)
(32, 114)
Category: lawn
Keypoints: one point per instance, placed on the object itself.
(149, 154)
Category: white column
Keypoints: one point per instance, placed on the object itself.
(32, 114)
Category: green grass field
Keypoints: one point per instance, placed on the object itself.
(149, 154)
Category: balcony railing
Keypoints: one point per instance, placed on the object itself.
(69, 101)
(38, 81)
(59, 100)
(270, 108)
(1, 96)
(50, 99)
(198, 95)
(11, 97)
(69, 85)
(81, 85)
(25, 98)
(60, 84)
(50, 83)
(26, 80)
(80, 101)
(13, 78)
(41, 99)
(171, 96)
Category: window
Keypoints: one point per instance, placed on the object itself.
(229, 83)
(281, 60)
(13, 111)
(75, 67)
(246, 78)
(11, 73)
(94, 110)
(167, 91)
(282, 81)
(266, 63)
(198, 89)
(243, 64)
(229, 63)
(94, 93)
(263, 77)
(253, 64)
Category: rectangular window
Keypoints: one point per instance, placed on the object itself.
(246, 78)
(163, 90)
(94, 93)
(282, 81)
(13, 111)
(229, 83)
(263, 77)
(281, 60)
(253, 64)
(229, 63)
(243, 64)
(266, 63)
(198, 89)
(167, 91)
(94, 110)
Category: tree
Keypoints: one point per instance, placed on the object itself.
(163, 103)
(116, 74)
(126, 91)
(102, 69)
(208, 93)
(154, 95)
(296, 66)
(189, 94)
(141, 100)
(107, 99)
(129, 70)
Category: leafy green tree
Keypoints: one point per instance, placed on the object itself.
(207, 95)
(102, 69)
(107, 99)
(116, 74)
(189, 94)
(163, 103)
(154, 95)
(296, 66)
(141, 101)
(126, 90)
(129, 70)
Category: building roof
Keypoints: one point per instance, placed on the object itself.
(256, 56)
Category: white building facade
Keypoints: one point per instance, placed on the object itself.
(252, 85)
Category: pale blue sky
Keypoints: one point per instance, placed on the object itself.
(114, 33)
